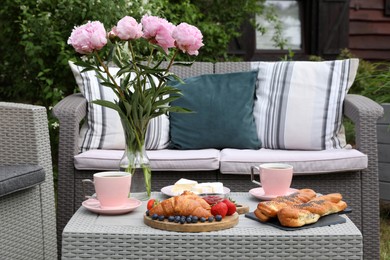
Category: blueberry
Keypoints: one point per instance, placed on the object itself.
(171, 218)
(218, 217)
(177, 219)
(182, 220)
(189, 219)
(161, 218)
(202, 219)
(147, 213)
(211, 219)
(194, 219)
(154, 216)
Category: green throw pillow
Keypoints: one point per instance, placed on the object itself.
(222, 112)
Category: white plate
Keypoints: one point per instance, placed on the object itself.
(94, 206)
(259, 193)
(167, 190)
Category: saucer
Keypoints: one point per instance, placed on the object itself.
(167, 190)
(94, 206)
(259, 193)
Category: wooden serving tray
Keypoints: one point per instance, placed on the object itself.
(225, 223)
(242, 209)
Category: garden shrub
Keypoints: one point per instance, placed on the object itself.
(34, 50)
(372, 79)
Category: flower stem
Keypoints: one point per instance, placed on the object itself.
(171, 62)
(109, 74)
(150, 56)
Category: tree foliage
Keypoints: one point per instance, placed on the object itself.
(34, 50)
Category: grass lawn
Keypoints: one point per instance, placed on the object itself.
(385, 231)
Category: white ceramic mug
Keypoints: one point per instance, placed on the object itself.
(275, 178)
(112, 188)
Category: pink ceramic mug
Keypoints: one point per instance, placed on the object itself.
(112, 188)
(275, 178)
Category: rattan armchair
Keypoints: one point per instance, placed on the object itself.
(27, 216)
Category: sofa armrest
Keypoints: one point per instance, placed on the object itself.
(364, 113)
(69, 111)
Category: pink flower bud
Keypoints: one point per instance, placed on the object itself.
(128, 29)
(158, 31)
(88, 37)
(188, 38)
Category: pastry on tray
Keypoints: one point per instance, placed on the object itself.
(300, 208)
(183, 205)
(269, 209)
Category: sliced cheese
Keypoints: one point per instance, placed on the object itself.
(208, 187)
(182, 185)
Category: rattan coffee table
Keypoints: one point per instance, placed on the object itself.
(92, 236)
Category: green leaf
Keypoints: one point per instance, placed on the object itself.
(183, 63)
(108, 104)
(175, 109)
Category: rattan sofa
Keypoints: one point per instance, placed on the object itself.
(359, 188)
(27, 213)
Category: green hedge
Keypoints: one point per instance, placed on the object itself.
(34, 50)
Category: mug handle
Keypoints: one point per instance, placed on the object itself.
(83, 182)
(253, 175)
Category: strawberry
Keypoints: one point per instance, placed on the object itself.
(219, 209)
(151, 203)
(231, 207)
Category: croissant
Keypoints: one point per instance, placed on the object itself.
(269, 209)
(183, 205)
(310, 212)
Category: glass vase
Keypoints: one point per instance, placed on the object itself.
(136, 162)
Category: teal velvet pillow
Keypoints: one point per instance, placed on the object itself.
(222, 112)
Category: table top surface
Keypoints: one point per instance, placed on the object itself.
(86, 222)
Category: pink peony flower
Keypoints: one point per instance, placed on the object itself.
(88, 37)
(188, 38)
(128, 29)
(158, 31)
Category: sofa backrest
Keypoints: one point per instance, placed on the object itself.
(199, 68)
(196, 69)
(229, 67)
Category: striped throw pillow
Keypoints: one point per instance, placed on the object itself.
(103, 128)
(299, 104)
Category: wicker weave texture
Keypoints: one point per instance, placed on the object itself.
(88, 236)
(359, 188)
(27, 218)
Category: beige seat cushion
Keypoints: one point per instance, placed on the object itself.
(236, 161)
(163, 160)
